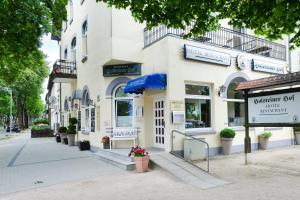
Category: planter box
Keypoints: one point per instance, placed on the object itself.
(71, 139)
(297, 137)
(42, 133)
(84, 146)
(65, 140)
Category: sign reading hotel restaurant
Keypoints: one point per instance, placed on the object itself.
(277, 108)
(120, 70)
(196, 53)
(263, 66)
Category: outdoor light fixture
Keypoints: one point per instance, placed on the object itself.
(222, 89)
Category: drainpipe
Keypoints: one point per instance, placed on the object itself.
(289, 56)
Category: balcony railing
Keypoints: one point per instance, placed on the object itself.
(63, 72)
(225, 38)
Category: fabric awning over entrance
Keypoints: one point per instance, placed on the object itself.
(77, 94)
(151, 81)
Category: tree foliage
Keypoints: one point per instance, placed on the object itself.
(273, 19)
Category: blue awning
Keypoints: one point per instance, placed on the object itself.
(151, 81)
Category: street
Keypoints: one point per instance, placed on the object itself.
(43, 169)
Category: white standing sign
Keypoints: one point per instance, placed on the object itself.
(196, 53)
(278, 108)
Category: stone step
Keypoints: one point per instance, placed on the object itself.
(186, 171)
(118, 160)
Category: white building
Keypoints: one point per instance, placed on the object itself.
(185, 85)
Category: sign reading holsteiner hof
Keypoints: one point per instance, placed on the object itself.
(279, 108)
(263, 66)
(196, 53)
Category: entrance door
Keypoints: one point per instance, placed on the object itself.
(159, 122)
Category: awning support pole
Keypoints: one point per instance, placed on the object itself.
(247, 142)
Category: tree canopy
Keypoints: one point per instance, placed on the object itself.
(272, 19)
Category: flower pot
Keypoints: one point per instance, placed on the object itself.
(297, 137)
(71, 139)
(141, 163)
(263, 143)
(57, 138)
(65, 140)
(106, 146)
(226, 144)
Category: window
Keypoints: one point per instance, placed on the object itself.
(123, 108)
(71, 11)
(66, 54)
(84, 39)
(73, 49)
(235, 104)
(197, 106)
(87, 119)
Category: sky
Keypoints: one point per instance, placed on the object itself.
(51, 50)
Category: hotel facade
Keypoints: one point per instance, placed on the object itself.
(137, 85)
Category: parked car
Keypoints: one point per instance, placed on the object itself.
(15, 128)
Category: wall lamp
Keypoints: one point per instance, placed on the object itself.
(222, 89)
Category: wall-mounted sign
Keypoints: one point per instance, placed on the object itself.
(196, 53)
(52, 100)
(177, 105)
(241, 61)
(263, 66)
(120, 70)
(277, 108)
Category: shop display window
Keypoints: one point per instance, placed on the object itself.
(123, 108)
(197, 106)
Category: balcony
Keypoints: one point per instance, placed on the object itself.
(64, 71)
(225, 38)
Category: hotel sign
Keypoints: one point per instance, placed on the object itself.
(277, 108)
(205, 55)
(121, 70)
(263, 66)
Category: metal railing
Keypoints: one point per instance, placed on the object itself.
(224, 37)
(173, 152)
(64, 67)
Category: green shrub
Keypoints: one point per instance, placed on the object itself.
(41, 121)
(297, 128)
(40, 127)
(265, 135)
(73, 120)
(71, 129)
(227, 133)
(62, 129)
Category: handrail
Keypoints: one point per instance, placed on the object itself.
(175, 131)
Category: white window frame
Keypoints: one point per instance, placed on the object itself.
(73, 49)
(71, 11)
(87, 121)
(115, 109)
(200, 97)
(84, 36)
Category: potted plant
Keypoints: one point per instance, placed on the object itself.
(105, 140)
(141, 158)
(62, 132)
(72, 131)
(297, 134)
(263, 140)
(227, 136)
(57, 137)
(84, 145)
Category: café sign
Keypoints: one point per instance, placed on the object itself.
(277, 108)
(205, 55)
(263, 66)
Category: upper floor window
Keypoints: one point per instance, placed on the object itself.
(197, 106)
(73, 49)
(71, 11)
(235, 104)
(84, 30)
